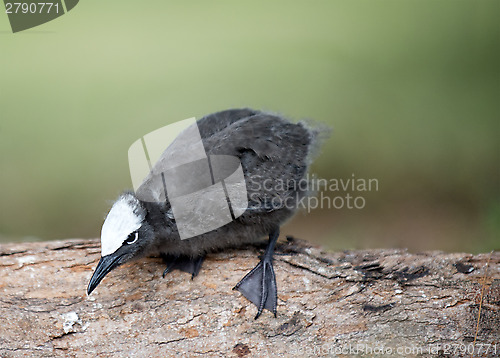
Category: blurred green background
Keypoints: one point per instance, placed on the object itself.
(411, 88)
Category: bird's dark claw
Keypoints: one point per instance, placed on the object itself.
(259, 285)
(183, 263)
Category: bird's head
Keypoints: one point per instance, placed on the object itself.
(125, 235)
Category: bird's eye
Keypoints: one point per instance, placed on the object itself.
(131, 238)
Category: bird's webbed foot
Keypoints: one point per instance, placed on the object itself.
(183, 263)
(259, 285)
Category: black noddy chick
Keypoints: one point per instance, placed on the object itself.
(274, 154)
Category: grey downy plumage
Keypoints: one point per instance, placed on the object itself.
(274, 154)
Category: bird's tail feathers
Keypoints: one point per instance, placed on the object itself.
(319, 134)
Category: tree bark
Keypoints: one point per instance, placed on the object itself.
(350, 303)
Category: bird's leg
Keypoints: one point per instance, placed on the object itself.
(183, 263)
(259, 285)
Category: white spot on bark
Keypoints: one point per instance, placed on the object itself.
(70, 319)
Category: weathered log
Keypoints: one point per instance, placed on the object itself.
(329, 304)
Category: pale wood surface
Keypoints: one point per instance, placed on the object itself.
(329, 304)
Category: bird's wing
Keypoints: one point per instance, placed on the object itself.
(272, 152)
(217, 122)
(187, 147)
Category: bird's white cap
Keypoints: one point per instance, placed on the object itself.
(123, 219)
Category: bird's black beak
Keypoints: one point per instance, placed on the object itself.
(105, 265)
